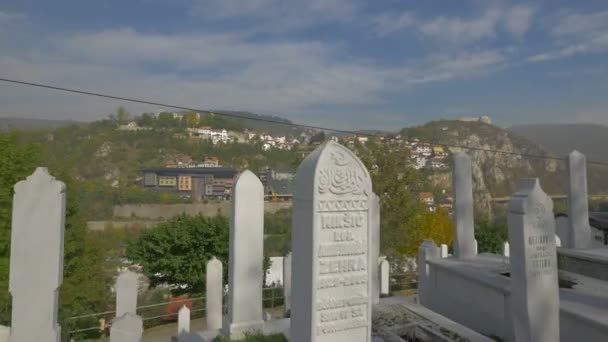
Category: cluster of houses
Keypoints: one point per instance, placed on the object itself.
(427, 156)
(281, 142)
(446, 202)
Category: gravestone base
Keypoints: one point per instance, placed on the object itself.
(278, 326)
(588, 262)
(238, 330)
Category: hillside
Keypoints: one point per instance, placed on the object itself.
(496, 174)
(561, 139)
(8, 123)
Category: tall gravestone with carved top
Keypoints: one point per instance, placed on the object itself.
(534, 287)
(331, 245)
(36, 263)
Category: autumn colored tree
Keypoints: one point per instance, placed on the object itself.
(436, 226)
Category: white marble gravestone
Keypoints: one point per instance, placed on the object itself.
(444, 250)
(331, 243)
(183, 320)
(127, 328)
(579, 232)
(287, 282)
(214, 294)
(126, 293)
(464, 239)
(246, 271)
(36, 263)
(384, 277)
(375, 246)
(534, 287)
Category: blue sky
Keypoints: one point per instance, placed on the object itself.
(342, 63)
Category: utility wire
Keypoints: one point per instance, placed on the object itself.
(233, 115)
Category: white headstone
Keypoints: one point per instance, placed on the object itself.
(534, 287)
(558, 241)
(444, 250)
(246, 271)
(183, 320)
(127, 328)
(506, 249)
(287, 282)
(126, 293)
(384, 277)
(36, 262)
(331, 242)
(214, 294)
(579, 232)
(475, 246)
(375, 249)
(428, 250)
(463, 207)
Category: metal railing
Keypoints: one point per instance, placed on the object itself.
(271, 297)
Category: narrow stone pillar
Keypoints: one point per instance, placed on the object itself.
(534, 284)
(375, 249)
(464, 245)
(427, 251)
(246, 271)
(444, 250)
(287, 283)
(214, 294)
(384, 277)
(579, 232)
(36, 259)
(183, 320)
(506, 249)
(126, 293)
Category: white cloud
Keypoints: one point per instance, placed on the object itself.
(515, 20)
(518, 19)
(593, 45)
(576, 34)
(10, 17)
(580, 23)
(386, 24)
(276, 15)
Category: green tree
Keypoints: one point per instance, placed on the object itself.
(191, 119)
(397, 185)
(176, 252)
(122, 115)
(490, 235)
(436, 226)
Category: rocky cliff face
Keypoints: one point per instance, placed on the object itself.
(499, 159)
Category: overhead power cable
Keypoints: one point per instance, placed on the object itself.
(245, 117)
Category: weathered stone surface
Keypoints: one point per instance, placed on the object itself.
(246, 271)
(183, 320)
(506, 251)
(384, 277)
(534, 284)
(427, 251)
(287, 282)
(579, 232)
(126, 293)
(375, 243)
(127, 328)
(36, 263)
(331, 243)
(464, 239)
(214, 294)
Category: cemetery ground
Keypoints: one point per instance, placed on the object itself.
(335, 280)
